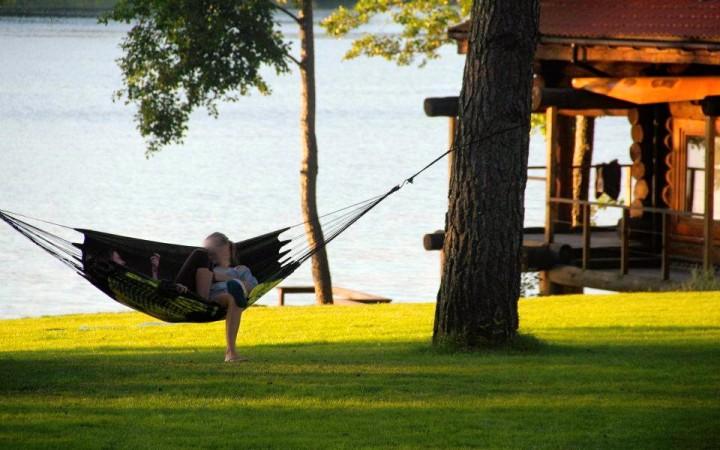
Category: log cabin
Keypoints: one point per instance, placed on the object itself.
(657, 63)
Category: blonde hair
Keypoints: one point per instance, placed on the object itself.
(224, 240)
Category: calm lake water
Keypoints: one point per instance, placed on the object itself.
(70, 155)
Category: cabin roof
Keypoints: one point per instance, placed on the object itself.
(653, 20)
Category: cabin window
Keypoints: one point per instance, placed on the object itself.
(695, 151)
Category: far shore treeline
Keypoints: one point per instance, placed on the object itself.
(90, 8)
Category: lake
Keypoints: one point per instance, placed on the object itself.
(71, 155)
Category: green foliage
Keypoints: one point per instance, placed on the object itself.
(424, 30)
(424, 27)
(614, 371)
(529, 284)
(538, 123)
(184, 54)
(603, 203)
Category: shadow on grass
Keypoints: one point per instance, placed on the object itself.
(520, 344)
(367, 393)
(390, 365)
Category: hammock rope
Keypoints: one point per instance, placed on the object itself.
(270, 257)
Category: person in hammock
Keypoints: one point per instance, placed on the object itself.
(112, 255)
(215, 274)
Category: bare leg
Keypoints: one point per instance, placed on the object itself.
(203, 281)
(232, 326)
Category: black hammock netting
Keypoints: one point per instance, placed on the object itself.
(271, 258)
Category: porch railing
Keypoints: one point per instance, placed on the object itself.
(625, 232)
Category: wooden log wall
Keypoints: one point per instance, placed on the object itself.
(666, 192)
(648, 153)
(640, 155)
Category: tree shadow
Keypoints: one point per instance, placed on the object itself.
(368, 393)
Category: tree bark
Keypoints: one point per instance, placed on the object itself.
(309, 164)
(477, 301)
(582, 160)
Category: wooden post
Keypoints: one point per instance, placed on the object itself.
(546, 287)
(551, 139)
(665, 259)
(624, 246)
(585, 236)
(582, 160)
(564, 154)
(628, 185)
(709, 192)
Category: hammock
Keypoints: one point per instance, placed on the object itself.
(271, 257)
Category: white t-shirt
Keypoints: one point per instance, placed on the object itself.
(241, 273)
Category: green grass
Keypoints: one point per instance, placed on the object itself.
(619, 371)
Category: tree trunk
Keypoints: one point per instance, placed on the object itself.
(582, 160)
(477, 301)
(309, 164)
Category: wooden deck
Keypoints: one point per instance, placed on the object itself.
(600, 239)
(605, 249)
(603, 265)
(636, 280)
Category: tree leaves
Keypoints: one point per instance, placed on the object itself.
(424, 27)
(183, 54)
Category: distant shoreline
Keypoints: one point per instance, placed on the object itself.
(65, 13)
(93, 8)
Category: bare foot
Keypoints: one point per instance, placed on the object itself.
(235, 358)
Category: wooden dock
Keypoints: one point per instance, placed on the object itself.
(341, 296)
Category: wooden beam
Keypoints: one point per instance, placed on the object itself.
(551, 139)
(582, 160)
(441, 106)
(564, 150)
(568, 98)
(624, 242)
(593, 112)
(535, 255)
(620, 53)
(586, 236)
(646, 90)
(709, 192)
(665, 250)
(608, 280)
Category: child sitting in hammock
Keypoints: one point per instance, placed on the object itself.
(213, 271)
(215, 274)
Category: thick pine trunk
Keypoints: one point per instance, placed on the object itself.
(477, 301)
(309, 163)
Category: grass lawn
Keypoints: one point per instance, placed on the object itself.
(618, 371)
